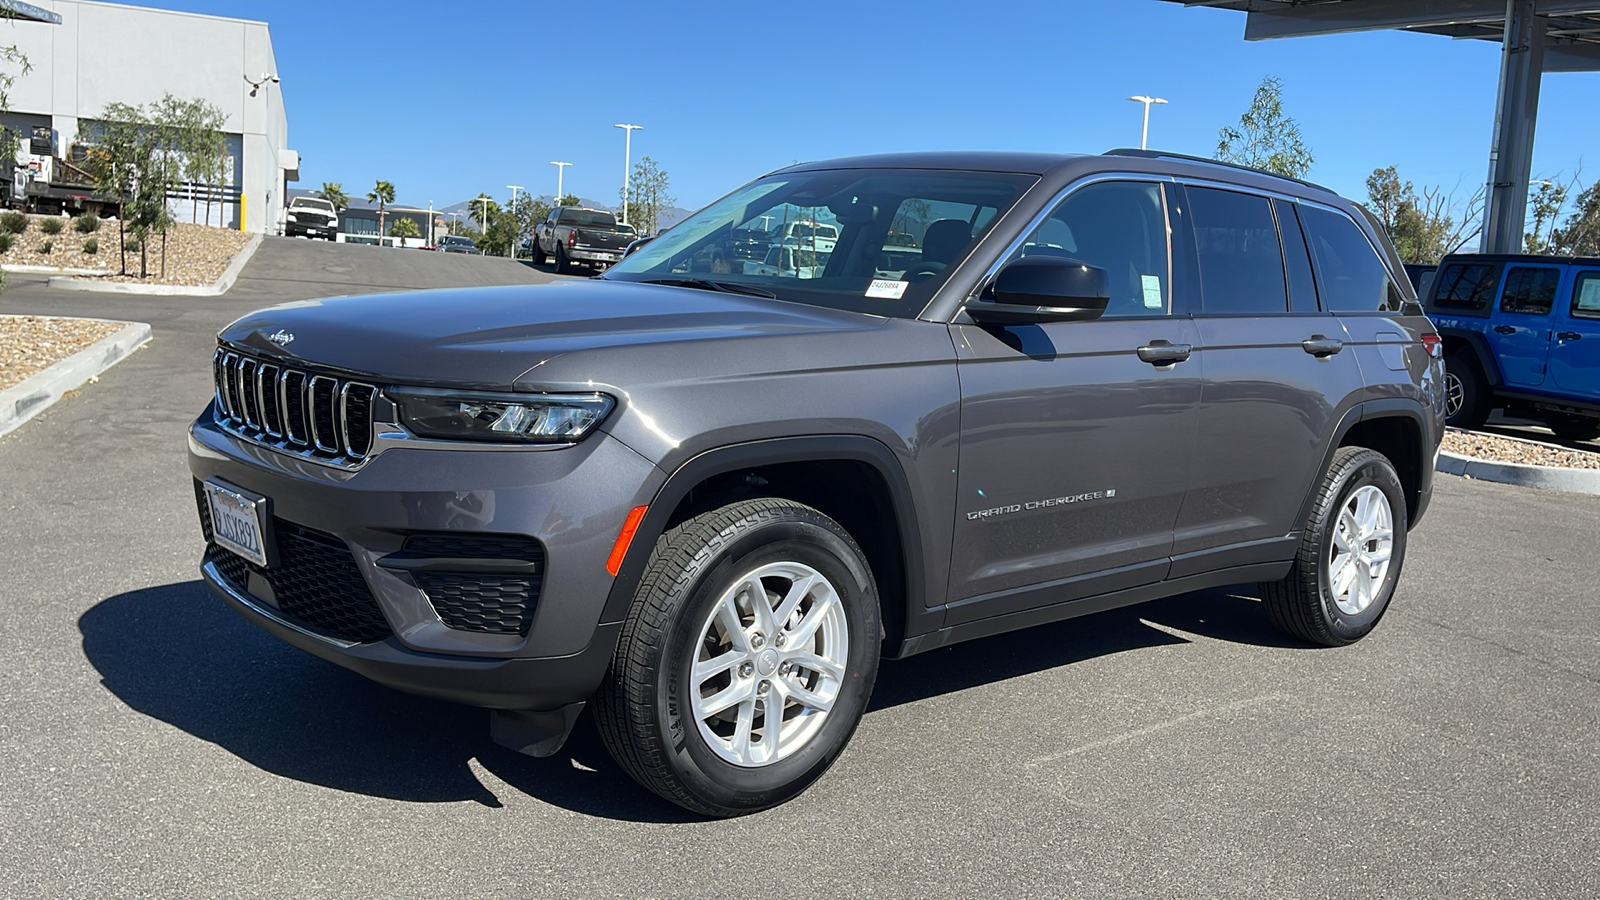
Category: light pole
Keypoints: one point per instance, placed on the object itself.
(430, 224)
(1144, 134)
(627, 163)
(483, 223)
(515, 190)
(561, 171)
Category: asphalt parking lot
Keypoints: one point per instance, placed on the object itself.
(153, 744)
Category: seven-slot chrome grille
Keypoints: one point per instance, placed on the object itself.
(304, 412)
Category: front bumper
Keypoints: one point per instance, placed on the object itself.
(573, 501)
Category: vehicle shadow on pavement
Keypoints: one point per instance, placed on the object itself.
(177, 654)
(1232, 614)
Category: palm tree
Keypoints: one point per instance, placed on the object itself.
(479, 209)
(383, 195)
(333, 192)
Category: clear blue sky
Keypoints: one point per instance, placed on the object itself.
(727, 91)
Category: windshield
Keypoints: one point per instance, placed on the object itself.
(832, 234)
(319, 205)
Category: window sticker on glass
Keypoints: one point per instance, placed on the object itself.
(1152, 291)
(887, 288)
(1589, 294)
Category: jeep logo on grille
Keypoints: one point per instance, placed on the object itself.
(281, 338)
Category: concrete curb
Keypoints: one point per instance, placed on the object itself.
(215, 289)
(1544, 478)
(40, 391)
(52, 270)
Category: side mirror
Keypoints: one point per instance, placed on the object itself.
(1043, 289)
(634, 245)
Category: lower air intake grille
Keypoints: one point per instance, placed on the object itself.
(316, 583)
(481, 601)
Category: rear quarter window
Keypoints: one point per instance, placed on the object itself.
(1350, 276)
(1530, 290)
(1465, 288)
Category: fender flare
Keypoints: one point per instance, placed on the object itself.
(1487, 363)
(774, 451)
(1366, 411)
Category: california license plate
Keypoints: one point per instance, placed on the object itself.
(237, 522)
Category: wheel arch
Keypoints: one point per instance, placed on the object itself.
(828, 472)
(1473, 343)
(1398, 429)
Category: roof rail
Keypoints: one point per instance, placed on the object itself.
(1163, 154)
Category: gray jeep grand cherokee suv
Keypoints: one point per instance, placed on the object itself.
(707, 495)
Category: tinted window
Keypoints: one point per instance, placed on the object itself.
(1236, 242)
(592, 218)
(1302, 284)
(1118, 226)
(1586, 296)
(1466, 287)
(1531, 291)
(1350, 276)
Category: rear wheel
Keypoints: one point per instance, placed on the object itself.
(746, 661)
(1466, 392)
(1351, 550)
(1573, 428)
(562, 265)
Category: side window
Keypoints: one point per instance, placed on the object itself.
(1118, 226)
(1465, 287)
(1530, 290)
(1236, 245)
(1350, 276)
(1586, 296)
(1302, 284)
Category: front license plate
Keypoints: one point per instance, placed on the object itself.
(236, 521)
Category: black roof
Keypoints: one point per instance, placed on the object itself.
(1523, 258)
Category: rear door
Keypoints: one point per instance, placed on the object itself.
(1521, 333)
(1277, 376)
(1575, 354)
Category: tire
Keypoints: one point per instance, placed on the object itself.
(1304, 603)
(562, 266)
(1573, 428)
(651, 711)
(1467, 393)
(538, 254)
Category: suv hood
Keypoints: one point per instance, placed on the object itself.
(485, 338)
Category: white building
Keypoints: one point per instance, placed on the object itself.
(104, 53)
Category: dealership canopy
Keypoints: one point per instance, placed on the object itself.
(27, 12)
(1536, 36)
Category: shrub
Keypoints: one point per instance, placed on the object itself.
(6, 240)
(46, 247)
(130, 244)
(50, 225)
(91, 246)
(88, 223)
(13, 223)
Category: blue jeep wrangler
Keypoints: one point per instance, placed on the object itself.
(1522, 333)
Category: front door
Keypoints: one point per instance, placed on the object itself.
(1575, 353)
(1520, 335)
(1074, 448)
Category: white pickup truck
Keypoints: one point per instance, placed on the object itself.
(313, 217)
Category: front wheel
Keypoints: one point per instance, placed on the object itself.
(538, 254)
(1350, 553)
(746, 661)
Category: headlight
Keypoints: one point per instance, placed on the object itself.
(519, 418)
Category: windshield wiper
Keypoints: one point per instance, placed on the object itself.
(726, 287)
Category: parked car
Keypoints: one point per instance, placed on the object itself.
(788, 262)
(313, 217)
(455, 243)
(818, 236)
(1522, 333)
(749, 244)
(572, 235)
(709, 502)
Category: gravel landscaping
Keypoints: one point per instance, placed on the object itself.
(195, 254)
(31, 344)
(1512, 450)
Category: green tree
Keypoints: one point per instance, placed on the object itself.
(538, 210)
(648, 197)
(481, 209)
(1580, 235)
(333, 192)
(569, 200)
(1548, 203)
(10, 141)
(1423, 228)
(382, 194)
(405, 227)
(192, 145)
(134, 163)
(1266, 138)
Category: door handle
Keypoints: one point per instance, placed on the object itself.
(1504, 329)
(1320, 346)
(1569, 336)
(1164, 353)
